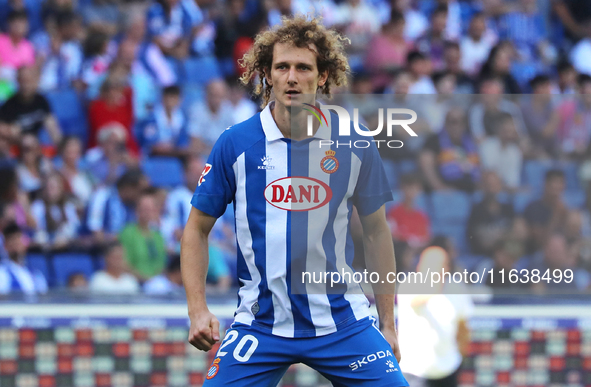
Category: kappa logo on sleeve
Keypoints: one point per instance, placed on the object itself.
(206, 170)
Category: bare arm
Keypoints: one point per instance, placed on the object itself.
(429, 168)
(567, 19)
(463, 337)
(53, 129)
(204, 331)
(379, 257)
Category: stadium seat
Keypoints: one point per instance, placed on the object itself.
(68, 263)
(534, 174)
(70, 113)
(39, 262)
(454, 230)
(164, 171)
(192, 94)
(521, 200)
(571, 174)
(574, 199)
(201, 70)
(450, 206)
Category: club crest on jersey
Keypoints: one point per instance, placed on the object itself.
(213, 370)
(329, 163)
(298, 193)
(206, 170)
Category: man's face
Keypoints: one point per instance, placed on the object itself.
(115, 261)
(556, 253)
(555, 187)
(18, 28)
(146, 210)
(455, 124)
(171, 101)
(492, 184)
(27, 81)
(477, 27)
(294, 73)
(15, 247)
(216, 94)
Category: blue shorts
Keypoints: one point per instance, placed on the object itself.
(357, 355)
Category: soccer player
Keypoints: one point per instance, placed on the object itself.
(293, 200)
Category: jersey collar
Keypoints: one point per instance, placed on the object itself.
(273, 133)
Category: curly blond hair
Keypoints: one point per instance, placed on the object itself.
(302, 32)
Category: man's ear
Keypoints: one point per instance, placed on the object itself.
(267, 75)
(323, 78)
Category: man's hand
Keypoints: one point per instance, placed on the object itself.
(392, 338)
(204, 331)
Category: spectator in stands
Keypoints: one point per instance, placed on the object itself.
(419, 67)
(476, 45)
(15, 202)
(490, 220)
(567, 78)
(408, 223)
(15, 50)
(28, 111)
(97, 59)
(431, 44)
(415, 22)
(78, 182)
(501, 153)
(32, 166)
(243, 108)
(77, 282)
(14, 275)
(55, 215)
(557, 254)
(357, 20)
(525, 27)
(114, 279)
(575, 16)
(103, 16)
(452, 58)
(498, 65)
(178, 204)
(569, 125)
(169, 282)
(143, 56)
(143, 243)
(165, 134)
(60, 52)
(108, 161)
(114, 105)
(111, 208)
(449, 159)
(536, 112)
(547, 214)
(434, 333)
(5, 151)
(439, 105)
(172, 25)
(491, 103)
(210, 118)
(388, 50)
(502, 259)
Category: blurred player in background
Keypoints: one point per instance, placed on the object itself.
(274, 325)
(434, 334)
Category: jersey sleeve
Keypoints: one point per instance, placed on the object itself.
(217, 184)
(373, 189)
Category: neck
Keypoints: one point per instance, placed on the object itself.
(114, 273)
(144, 226)
(15, 39)
(292, 124)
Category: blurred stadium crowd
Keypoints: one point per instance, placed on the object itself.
(109, 109)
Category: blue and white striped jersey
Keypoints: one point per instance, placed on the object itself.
(292, 204)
